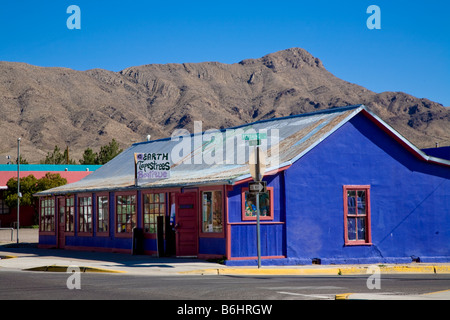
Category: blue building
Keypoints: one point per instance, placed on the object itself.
(342, 187)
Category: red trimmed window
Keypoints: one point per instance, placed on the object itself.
(265, 205)
(70, 213)
(125, 213)
(154, 206)
(85, 214)
(47, 216)
(4, 209)
(212, 211)
(102, 214)
(357, 215)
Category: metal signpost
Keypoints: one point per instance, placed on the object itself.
(257, 169)
(19, 195)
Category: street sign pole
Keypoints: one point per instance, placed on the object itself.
(18, 188)
(257, 173)
(258, 230)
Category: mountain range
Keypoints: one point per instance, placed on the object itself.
(48, 106)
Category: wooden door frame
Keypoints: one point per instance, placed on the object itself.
(61, 244)
(194, 194)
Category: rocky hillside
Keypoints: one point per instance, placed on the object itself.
(81, 109)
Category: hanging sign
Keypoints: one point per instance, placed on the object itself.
(151, 166)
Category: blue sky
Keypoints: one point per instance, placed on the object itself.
(410, 53)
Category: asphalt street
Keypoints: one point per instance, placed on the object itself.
(27, 272)
(17, 285)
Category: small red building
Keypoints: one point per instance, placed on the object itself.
(8, 216)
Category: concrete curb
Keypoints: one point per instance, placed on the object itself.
(54, 268)
(7, 257)
(439, 295)
(430, 269)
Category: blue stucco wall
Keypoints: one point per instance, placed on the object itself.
(243, 233)
(410, 200)
(212, 246)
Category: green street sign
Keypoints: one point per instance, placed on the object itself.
(254, 136)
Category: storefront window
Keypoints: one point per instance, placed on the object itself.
(126, 213)
(4, 209)
(102, 214)
(154, 206)
(212, 211)
(85, 214)
(47, 215)
(70, 212)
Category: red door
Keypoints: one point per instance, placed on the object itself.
(61, 223)
(186, 224)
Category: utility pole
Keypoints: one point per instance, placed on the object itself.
(18, 188)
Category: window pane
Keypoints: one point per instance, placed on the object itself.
(264, 204)
(351, 202)
(250, 205)
(362, 228)
(351, 228)
(217, 212)
(362, 202)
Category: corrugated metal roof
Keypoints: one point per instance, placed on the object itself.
(50, 167)
(288, 139)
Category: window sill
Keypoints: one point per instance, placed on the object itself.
(123, 235)
(85, 234)
(47, 233)
(351, 244)
(220, 234)
(261, 218)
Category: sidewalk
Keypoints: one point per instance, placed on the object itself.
(28, 257)
(25, 256)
